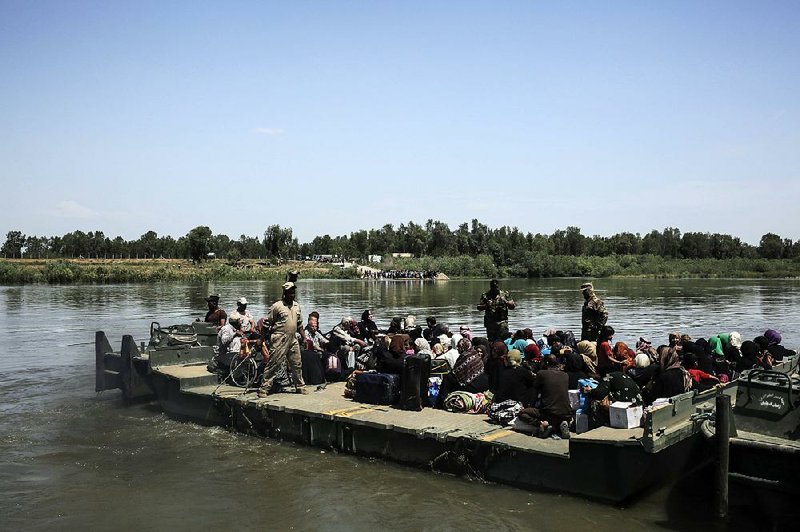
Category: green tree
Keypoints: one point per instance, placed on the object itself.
(279, 242)
(770, 246)
(15, 242)
(199, 243)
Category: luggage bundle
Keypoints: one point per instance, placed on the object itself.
(171, 336)
(377, 388)
(414, 392)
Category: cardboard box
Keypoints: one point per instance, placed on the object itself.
(581, 423)
(574, 399)
(625, 416)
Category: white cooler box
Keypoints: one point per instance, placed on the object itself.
(625, 416)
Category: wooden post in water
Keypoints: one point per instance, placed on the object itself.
(723, 436)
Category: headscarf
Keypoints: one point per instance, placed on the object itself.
(397, 345)
(454, 340)
(668, 358)
(622, 351)
(444, 340)
(761, 341)
(574, 362)
(643, 345)
(514, 358)
(463, 345)
(588, 349)
(750, 349)
(550, 331)
(438, 349)
(465, 331)
(641, 361)
(422, 345)
(519, 345)
(773, 336)
(532, 352)
(468, 366)
(499, 349)
(736, 339)
(716, 346)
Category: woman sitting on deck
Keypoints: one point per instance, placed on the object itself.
(467, 374)
(615, 386)
(672, 378)
(515, 381)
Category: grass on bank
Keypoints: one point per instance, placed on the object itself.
(111, 271)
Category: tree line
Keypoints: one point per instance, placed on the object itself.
(505, 245)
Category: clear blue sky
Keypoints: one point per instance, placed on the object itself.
(334, 116)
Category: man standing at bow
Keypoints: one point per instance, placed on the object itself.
(284, 321)
(496, 303)
(593, 315)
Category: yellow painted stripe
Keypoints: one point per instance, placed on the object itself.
(497, 435)
(339, 410)
(357, 411)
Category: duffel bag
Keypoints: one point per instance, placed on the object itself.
(377, 388)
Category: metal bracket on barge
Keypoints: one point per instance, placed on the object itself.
(176, 376)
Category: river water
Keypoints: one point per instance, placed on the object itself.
(72, 459)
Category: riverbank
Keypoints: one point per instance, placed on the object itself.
(111, 271)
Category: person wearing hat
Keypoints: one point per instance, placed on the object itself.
(284, 323)
(248, 324)
(215, 315)
(496, 303)
(291, 276)
(593, 315)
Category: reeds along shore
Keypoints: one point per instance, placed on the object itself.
(109, 271)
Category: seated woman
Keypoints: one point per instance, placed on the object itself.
(494, 364)
(606, 361)
(395, 326)
(517, 341)
(774, 346)
(422, 347)
(575, 368)
(614, 386)
(623, 355)
(588, 350)
(367, 328)
(753, 356)
(671, 379)
(515, 381)
(642, 371)
(467, 374)
(389, 355)
(451, 352)
(413, 330)
(701, 381)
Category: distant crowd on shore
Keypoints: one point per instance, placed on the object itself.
(546, 384)
(399, 274)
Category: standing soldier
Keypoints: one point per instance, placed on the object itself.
(284, 322)
(593, 315)
(496, 303)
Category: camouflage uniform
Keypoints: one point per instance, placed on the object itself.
(495, 317)
(593, 317)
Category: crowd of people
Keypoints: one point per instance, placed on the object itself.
(535, 381)
(399, 274)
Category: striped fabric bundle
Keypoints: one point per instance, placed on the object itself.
(467, 403)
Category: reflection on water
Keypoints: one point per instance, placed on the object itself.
(71, 459)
